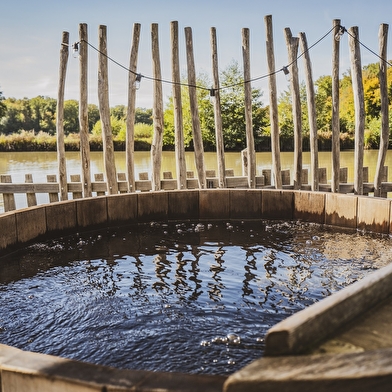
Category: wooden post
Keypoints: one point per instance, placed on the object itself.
(311, 113)
(250, 144)
(31, 197)
(275, 147)
(177, 103)
(8, 198)
(220, 149)
(53, 197)
(62, 165)
(104, 111)
(157, 140)
(131, 109)
(359, 106)
(335, 108)
(384, 136)
(83, 111)
(197, 137)
(292, 46)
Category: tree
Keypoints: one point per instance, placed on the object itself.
(232, 107)
(3, 108)
(71, 116)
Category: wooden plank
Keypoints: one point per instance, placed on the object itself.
(250, 143)
(8, 198)
(157, 139)
(131, 107)
(273, 102)
(104, 111)
(260, 181)
(322, 175)
(192, 183)
(196, 128)
(53, 196)
(143, 185)
(83, 110)
(343, 175)
(143, 176)
(101, 189)
(168, 184)
(177, 103)
(220, 150)
(9, 188)
(315, 323)
(311, 100)
(122, 184)
(237, 182)
(359, 107)
(285, 177)
(62, 167)
(349, 372)
(384, 134)
(305, 177)
(292, 46)
(267, 176)
(335, 109)
(31, 197)
(77, 190)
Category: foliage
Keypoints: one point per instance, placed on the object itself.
(232, 108)
(30, 122)
(3, 108)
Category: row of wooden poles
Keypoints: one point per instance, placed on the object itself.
(293, 44)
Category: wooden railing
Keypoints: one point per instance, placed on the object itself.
(99, 187)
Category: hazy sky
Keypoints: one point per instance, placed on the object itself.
(31, 30)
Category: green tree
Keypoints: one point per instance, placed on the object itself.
(93, 116)
(143, 116)
(71, 116)
(232, 108)
(3, 108)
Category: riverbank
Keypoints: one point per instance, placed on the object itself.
(26, 141)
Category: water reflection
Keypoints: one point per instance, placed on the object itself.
(167, 297)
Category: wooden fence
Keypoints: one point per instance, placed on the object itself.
(82, 186)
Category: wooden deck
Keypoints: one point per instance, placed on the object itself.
(342, 343)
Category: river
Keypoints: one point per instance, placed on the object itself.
(40, 164)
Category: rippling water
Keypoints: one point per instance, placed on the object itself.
(191, 297)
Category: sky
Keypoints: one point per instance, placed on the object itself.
(31, 31)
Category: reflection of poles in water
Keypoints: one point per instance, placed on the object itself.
(162, 268)
(216, 289)
(249, 275)
(270, 270)
(195, 272)
(138, 285)
(106, 281)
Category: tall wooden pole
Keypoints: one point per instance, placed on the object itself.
(157, 140)
(62, 166)
(273, 103)
(131, 109)
(177, 103)
(83, 111)
(359, 106)
(292, 46)
(335, 108)
(220, 151)
(104, 110)
(384, 136)
(250, 143)
(310, 94)
(197, 137)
